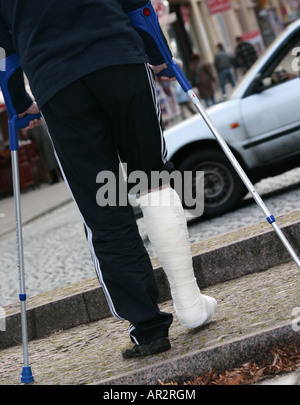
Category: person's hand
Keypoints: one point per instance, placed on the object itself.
(33, 109)
(159, 68)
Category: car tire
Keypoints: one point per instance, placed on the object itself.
(223, 188)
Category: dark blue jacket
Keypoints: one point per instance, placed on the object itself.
(59, 41)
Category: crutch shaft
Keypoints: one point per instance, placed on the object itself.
(14, 124)
(22, 295)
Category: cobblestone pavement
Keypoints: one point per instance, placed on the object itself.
(56, 252)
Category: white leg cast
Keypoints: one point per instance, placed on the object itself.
(165, 223)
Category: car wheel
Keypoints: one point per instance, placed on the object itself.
(223, 189)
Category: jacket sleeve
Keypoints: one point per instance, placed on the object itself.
(152, 50)
(16, 86)
(130, 5)
(6, 41)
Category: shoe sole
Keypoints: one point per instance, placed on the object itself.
(159, 346)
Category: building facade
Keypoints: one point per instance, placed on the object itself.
(198, 25)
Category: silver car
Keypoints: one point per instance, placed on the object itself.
(260, 123)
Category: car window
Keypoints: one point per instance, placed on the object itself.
(286, 67)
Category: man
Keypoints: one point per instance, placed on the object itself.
(203, 79)
(88, 71)
(223, 65)
(245, 53)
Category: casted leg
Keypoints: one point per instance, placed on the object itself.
(166, 226)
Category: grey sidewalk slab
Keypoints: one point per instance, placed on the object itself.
(34, 203)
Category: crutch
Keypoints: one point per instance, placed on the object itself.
(11, 64)
(145, 20)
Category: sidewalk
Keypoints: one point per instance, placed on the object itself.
(34, 203)
(74, 340)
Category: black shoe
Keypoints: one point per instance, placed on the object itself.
(158, 346)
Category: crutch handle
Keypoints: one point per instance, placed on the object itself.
(146, 19)
(12, 63)
(24, 121)
(14, 124)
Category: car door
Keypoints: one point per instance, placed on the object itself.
(271, 110)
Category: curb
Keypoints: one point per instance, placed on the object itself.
(255, 347)
(236, 254)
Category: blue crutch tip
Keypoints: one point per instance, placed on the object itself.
(26, 376)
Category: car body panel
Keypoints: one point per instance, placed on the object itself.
(275, 131)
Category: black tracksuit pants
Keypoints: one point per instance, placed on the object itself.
(108, 115)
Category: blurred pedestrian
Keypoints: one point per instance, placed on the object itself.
(183, 101)
(245, 54)
(171, 107)
(203, 79)
(223, 64)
